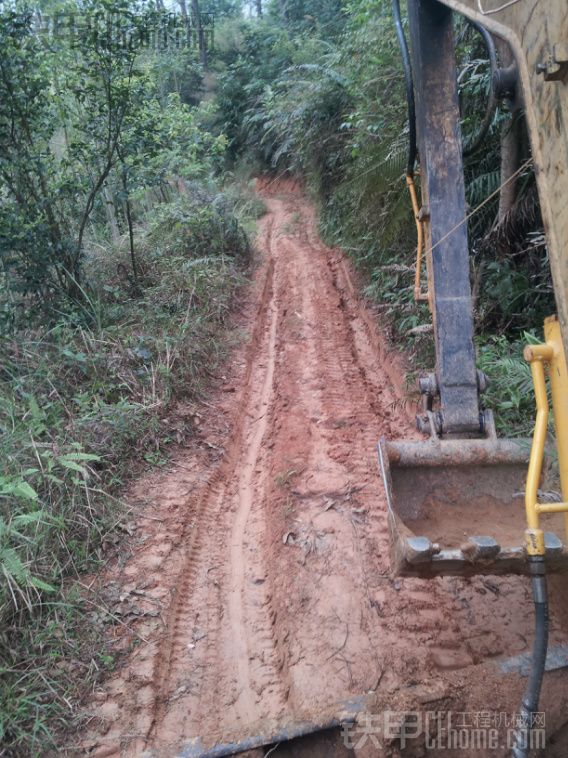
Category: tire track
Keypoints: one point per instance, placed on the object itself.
(199, 530)
(240, 665)
(245, 705)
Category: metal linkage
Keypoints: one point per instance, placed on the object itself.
(552, 354)
(420, 216)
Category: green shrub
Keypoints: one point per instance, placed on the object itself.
(81, 400)
(510, 392)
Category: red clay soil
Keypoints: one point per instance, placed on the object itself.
(257, 578)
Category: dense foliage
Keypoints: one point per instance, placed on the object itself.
(120, 256)
(329, 106)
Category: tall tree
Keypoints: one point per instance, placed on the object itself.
(197, 21)
(511, 135)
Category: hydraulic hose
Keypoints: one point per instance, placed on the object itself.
(491, 107)
(529, 705)
(409, 83)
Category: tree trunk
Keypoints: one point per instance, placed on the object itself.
(196, 21)
(259, 8)
(110, 211)
(183, 8)
(133, 262)
(510, 162)
(510, 143)
(283, 9)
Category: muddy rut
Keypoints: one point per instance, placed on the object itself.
(257, 578)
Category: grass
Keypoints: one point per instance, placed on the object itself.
(81, 401)
(510, 392)
(285, 478)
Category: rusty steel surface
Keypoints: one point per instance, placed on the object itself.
(435, 453)
(443, 193)
(456, 507)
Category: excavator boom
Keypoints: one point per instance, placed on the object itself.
(456, 501)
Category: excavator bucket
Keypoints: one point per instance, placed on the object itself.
(456, 507)
(322, 736)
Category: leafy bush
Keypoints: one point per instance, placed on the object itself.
(77, 405)
(203, 222)
(510, 392)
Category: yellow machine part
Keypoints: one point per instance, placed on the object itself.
(418, 294)
(551, 354)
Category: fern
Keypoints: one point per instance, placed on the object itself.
(482, 186)
(12, 567)
(510, 393)
(18, 577)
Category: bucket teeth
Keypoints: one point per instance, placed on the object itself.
(456, 507)
(419, 550)
(480, 548)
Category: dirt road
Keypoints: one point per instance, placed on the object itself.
(258, 578)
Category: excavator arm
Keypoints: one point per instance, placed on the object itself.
(456, 500)
(453, 501)
(537, 34)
